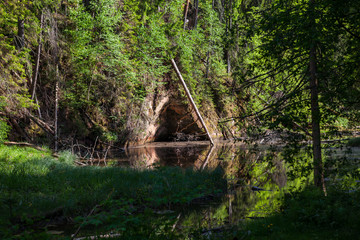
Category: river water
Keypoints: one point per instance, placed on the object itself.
(257, 176)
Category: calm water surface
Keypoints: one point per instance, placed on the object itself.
(257, 176)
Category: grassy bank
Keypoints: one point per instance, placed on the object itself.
(309, 215)
(38, 193)
(46, 198)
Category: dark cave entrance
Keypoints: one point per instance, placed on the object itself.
(178, 124)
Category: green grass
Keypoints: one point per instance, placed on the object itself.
(33, 184)
(310, 215)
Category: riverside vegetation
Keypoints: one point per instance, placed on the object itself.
(47, 198)
(91, 75)
(38, 191)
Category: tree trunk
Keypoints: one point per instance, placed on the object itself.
(191, 101)
(20, 38)
(315, 113)
(207, 71)
(228, 33)
(186, 12)
(56, 108)
(37, 58)
(196, 13)
(315, 121)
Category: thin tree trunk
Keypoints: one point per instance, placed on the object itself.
(315, 116)
(56, 136)
(38, 107)
(228, 32)
(207, 64)
(191, 100)
(228, 62)
(196, 13)
(315, 123)
(186, 12)
(37, 58)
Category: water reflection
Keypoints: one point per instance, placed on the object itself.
(258, 177)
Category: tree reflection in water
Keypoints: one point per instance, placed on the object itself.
(257, 177)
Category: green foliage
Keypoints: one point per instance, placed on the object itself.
(4, 130)
(275, 75)
(98, 53)
(14, 63)
(310, 214)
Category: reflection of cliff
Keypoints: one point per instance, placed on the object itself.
(181, 155)
(142, 157)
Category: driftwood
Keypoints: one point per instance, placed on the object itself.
(191, 100)
(43, 125)
(110, 235)
(24, 144)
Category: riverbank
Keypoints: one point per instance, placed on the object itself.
(43, 197)
(40, 195)
(309, 214)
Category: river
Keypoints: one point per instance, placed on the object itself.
(257, 176)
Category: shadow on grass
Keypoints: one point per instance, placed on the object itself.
(310, 215)
(39, 192)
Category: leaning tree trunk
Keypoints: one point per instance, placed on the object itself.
(37, 58)
(191, 100)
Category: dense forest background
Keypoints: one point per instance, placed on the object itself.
(94, 70)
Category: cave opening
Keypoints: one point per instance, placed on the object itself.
(178, 124)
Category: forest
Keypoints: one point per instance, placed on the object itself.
(80, 80)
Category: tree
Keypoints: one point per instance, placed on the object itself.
(14, 55)
(293, 58)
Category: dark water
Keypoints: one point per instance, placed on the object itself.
(257, 176)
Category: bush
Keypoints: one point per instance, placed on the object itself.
(4, 130)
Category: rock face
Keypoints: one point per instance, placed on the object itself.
(164, 117)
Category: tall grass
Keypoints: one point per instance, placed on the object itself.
(33, 184)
